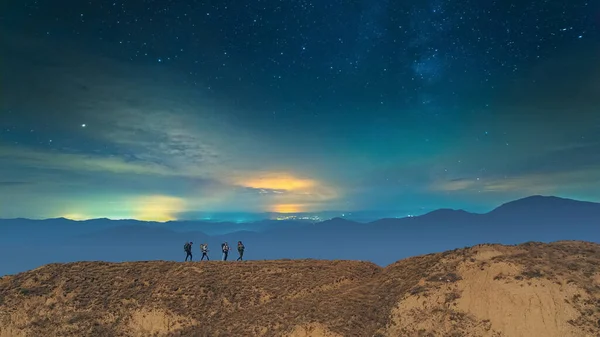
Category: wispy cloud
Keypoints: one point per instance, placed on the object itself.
(552, 169)
(527, 183)
(554, 182)
(28, 157)
(134, 112)
(455, 184)
(14, 183)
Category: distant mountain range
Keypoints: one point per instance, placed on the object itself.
(536, 218)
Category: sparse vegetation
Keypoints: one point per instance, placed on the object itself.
(448, 277)
(575, 263)
(273, 298)
(532, 273)
(418, 290)
(452, 296)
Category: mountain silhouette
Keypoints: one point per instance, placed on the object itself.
(138, 235)
(546, 207)
(536, 218)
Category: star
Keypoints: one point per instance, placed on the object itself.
(386, 78)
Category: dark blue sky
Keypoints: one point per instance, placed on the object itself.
(154, 109)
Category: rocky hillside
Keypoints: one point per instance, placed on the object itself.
(550, 290)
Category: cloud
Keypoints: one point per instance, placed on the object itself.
(139, 120)
(146, 137)
(286, 185)
(168, 128)
(286, 193)
(527, 183)
(278, 181)
(138, 113)
(65, 175)
(552, 182)
(454, 185)
(14, 183)
(27, 157)
(554, 168)
(264, 190)
(575, 155)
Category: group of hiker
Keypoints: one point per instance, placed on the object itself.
(187, 248)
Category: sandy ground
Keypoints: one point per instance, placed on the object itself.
(549, 290)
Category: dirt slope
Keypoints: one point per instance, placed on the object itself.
(534, 289)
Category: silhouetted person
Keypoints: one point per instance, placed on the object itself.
(240, 251)
(188, 250)
(225, 248)
(204, 249)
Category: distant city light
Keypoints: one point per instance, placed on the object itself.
(297, 217)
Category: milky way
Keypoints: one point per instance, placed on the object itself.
(111, 108)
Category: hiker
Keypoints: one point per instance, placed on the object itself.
(225, 249)
(240, 251)
(187, 248)
(204, 249)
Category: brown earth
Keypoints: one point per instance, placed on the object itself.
(534, 289)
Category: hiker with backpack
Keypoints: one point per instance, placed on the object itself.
(240, 251)
(187, 248)
(204, 249)
(225, 249)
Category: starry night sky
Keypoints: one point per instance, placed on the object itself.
(164, 109)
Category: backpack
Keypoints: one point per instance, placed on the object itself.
(186, 247)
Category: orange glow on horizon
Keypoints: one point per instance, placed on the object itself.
(287, 208)
(74, 216)
(298, 194)
(158, 208)
(279, 182)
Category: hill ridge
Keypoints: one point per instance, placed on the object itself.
(465, 292)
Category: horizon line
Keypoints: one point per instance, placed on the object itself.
(342, 216)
